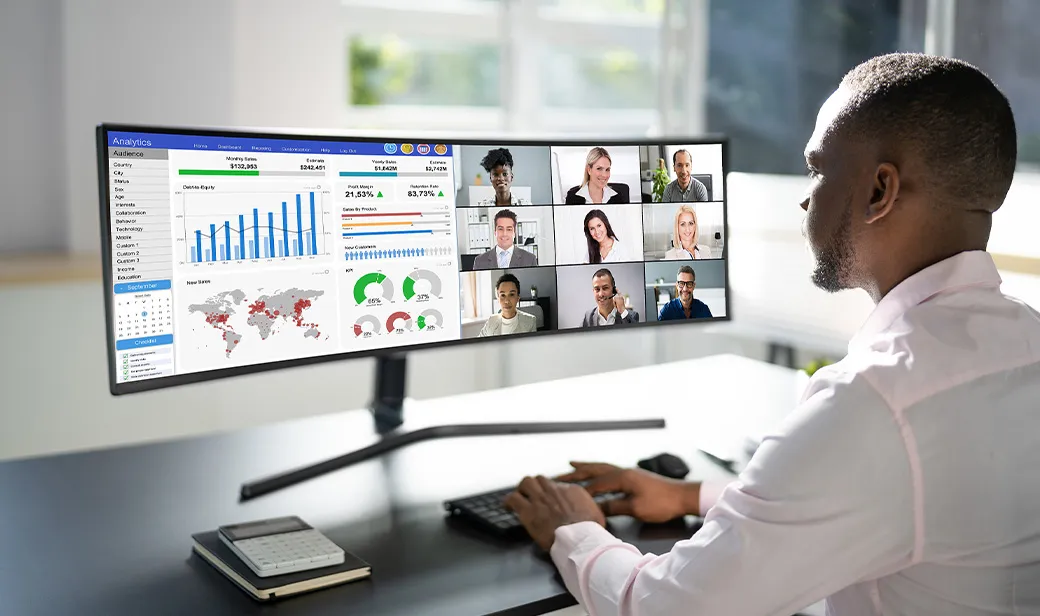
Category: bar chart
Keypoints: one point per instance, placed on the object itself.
(240, 226)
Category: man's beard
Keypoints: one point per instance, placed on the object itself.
(834, 262)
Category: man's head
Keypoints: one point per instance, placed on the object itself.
(508, 290)
(685, 282)
(505, 229)
(682, 164)
(909, 158)
(499, 165)
(603, 289)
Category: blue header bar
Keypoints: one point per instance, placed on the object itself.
(140, 287)
(282, 146)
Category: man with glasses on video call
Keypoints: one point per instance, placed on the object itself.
(684, 306)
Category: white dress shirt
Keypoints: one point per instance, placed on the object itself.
(615, 255)
(906, 482)
(608, 192)
(610, 318)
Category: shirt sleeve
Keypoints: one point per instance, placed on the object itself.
(826, 502)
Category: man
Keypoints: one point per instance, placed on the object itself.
(610, 305)
(505, 254)
(509, 320)
(905, 482)
(684, 188)
(499, 165)
(684, 306)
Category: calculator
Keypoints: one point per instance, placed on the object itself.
(277, 546)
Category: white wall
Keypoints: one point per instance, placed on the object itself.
(32, 166)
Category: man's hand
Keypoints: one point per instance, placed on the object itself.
(619, 303)
(543, 505)
(649, 497)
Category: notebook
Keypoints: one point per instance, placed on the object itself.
(209, 546)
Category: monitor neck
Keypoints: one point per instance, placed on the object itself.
(388, 401)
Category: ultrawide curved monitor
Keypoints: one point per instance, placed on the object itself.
(229, 252)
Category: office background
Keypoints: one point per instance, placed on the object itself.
(574, 284)
(659, 228)
(568, 168)
(534, 231)
(755, 71)
(572, 246)
(710, 289)
(530, 171)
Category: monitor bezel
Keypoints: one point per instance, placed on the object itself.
(116, 388)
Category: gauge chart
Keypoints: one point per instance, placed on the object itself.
(430, 320)
(421, 286)
(399, 323)
(367, 326)
(373, 289)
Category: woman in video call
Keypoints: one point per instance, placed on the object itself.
(499, 165)
(685, 237)
(604, 246)
(596, 186)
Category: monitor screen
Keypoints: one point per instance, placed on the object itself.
(229, 252)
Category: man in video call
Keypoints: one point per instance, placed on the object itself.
(505, 253)
(509, 320)
(904, 481)
(684, 306)
(610, 305)
(684, 188)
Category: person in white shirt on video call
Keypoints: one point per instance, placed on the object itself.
(686, 237)
(905, 481)
(509, 320)
(602, 243)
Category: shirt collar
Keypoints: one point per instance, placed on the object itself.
(498, 250)
(969, 269)
(608, 192)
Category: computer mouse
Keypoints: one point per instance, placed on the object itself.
(666, 464)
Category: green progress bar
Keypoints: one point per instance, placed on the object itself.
(219, 172)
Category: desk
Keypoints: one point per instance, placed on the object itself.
(107, 532)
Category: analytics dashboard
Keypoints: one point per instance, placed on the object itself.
(230, 250)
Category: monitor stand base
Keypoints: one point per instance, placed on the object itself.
(388, 414)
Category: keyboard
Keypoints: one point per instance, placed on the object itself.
(485, 511)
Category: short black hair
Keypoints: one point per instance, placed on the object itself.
(508, 278)
(948, 111)
(686, 269)
(496, 157)
(678, 152)
(510, 214)
(605, 272)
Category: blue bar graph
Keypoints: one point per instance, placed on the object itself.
(299, 228)
(231, 242)
(285, 231)
(313, 241)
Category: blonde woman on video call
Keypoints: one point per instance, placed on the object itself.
(596, 186)
(686, 236)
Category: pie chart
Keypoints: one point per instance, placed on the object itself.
(429, 319)
(373, 326)
(421, 282)
(403, 317)
(361, 287)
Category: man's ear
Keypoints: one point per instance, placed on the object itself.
(885, 192)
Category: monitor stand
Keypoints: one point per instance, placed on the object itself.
(388, 413)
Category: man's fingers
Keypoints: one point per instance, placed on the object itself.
(605, 483)
(531, 488)
(516, 502)
(617, 506)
